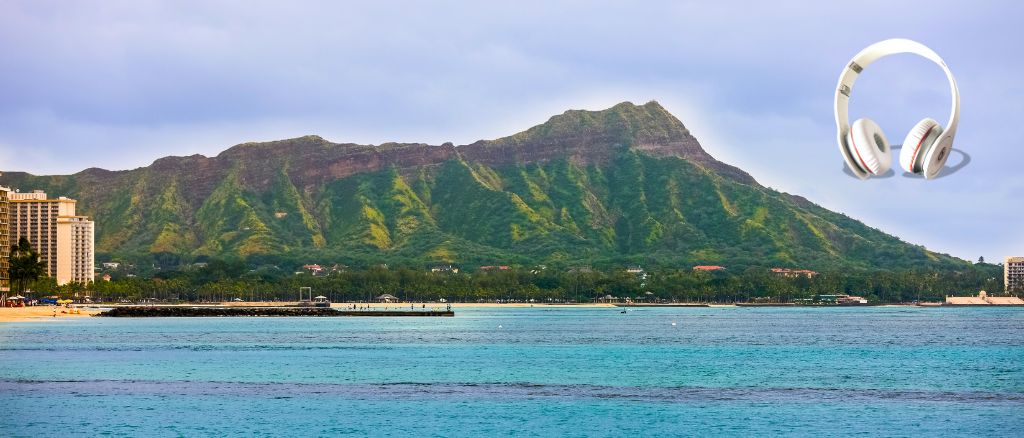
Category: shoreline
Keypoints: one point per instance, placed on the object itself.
(46, 313)
(43, 313)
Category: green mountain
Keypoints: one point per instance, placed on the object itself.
(625, 185)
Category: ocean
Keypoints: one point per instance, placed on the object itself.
(540, 371)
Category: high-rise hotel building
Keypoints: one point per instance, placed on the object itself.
(5, 241)
(76, 260)
(1013, 274)
(65, 241)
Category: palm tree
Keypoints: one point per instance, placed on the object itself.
(24, 264)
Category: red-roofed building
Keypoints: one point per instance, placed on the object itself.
(708, 268)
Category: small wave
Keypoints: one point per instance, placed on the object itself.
(494, 391)
(201, 347)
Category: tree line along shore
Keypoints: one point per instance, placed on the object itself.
(220, 281)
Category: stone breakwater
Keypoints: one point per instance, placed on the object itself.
(216, 311)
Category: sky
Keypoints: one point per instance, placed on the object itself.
(117, 85)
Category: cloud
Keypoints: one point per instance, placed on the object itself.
(120, 84)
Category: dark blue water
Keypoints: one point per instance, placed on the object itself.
(892, 371)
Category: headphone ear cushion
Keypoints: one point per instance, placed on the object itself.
(920, 139)
(870, 147)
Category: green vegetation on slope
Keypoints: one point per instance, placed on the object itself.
(627, 204)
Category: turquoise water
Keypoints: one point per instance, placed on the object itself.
(890, 371)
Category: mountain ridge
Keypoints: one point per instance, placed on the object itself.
(629, 183)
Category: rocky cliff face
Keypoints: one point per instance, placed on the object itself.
(594, 137)
(626, 183)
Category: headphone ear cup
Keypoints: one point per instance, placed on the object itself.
(917, 144)
(869, 147)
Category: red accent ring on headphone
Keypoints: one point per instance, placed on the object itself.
(913, 159)
(866, 168)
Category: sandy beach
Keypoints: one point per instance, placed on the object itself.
(41, 313)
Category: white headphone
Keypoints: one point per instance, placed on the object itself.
(864, 146)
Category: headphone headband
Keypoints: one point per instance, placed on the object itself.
(880, 50)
